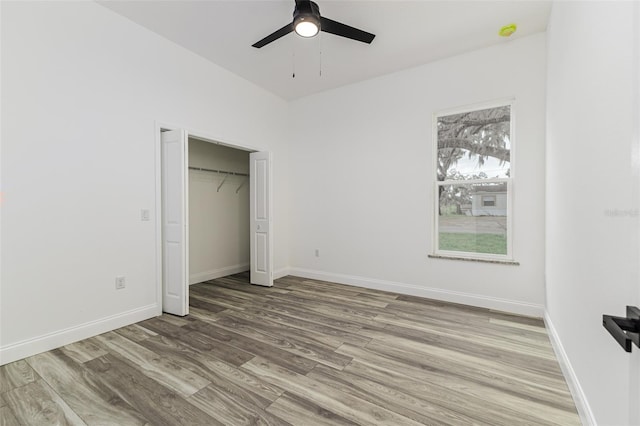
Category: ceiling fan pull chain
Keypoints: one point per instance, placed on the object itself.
(320, 47)
(293, 62)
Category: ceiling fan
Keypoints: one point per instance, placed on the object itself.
(307, 22)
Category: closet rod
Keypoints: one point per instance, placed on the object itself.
(218, 171)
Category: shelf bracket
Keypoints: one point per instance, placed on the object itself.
(222, 183)
(240, 186)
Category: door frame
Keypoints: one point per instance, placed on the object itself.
(201, 135)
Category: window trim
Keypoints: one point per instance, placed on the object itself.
(498, 258)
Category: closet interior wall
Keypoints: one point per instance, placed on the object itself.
(218, 211)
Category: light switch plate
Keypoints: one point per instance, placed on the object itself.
(120, 283)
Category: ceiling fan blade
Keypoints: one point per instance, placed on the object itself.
(339, 29)
(274, 36)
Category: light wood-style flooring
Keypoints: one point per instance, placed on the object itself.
(302, 353)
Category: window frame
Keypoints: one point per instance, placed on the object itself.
(436, 251)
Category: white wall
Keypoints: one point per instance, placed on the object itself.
(363, 160)
(81, 90)
(218, 219)
(593, 170)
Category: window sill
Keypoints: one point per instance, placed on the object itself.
(470, 259)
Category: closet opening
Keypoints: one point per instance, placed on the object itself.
(213, 214)
(219, 230)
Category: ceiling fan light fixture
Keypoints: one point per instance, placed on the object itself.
(306, 26)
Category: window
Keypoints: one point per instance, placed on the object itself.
(488, 201)
(473, 182)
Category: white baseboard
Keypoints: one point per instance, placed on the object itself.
(506, 305)
(46, 342)
(579, 398)
(218, 273)
(282, 272)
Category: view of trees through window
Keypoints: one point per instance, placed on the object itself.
(473, 175)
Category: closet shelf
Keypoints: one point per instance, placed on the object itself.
(226, 175)
(219, 171)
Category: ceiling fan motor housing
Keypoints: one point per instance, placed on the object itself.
(306, 11)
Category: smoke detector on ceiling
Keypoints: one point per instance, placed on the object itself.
(507, 30)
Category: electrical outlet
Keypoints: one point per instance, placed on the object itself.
(317, 252)
(144, 215)
(120, 283)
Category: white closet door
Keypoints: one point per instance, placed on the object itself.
(175, 261)
(260, 211)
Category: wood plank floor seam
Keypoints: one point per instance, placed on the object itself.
(303, 352)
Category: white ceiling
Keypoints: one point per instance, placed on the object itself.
(408, 33)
